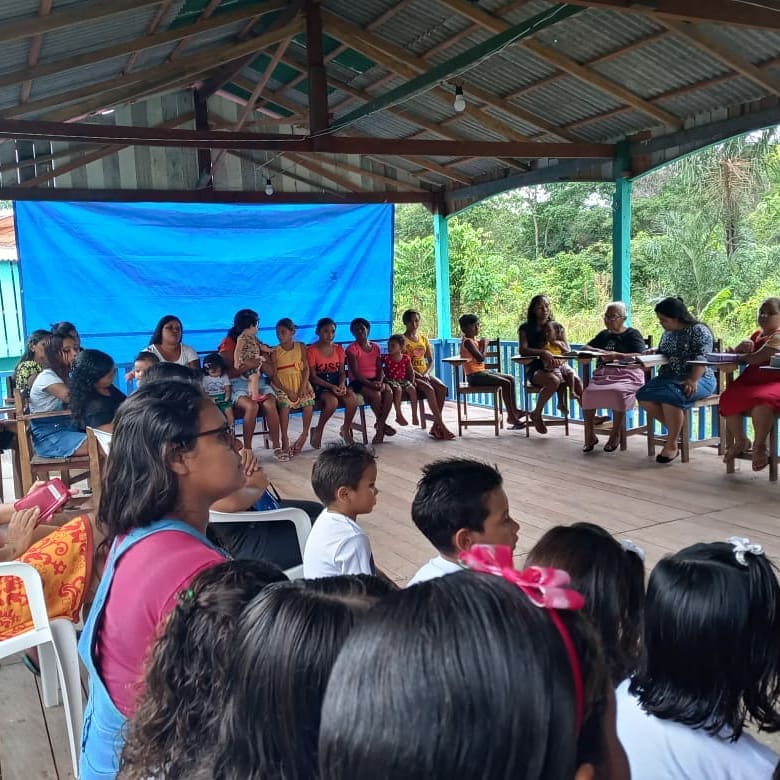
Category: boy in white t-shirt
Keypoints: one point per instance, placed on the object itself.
(343, 477)
(460, 503)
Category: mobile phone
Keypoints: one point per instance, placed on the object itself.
(49, 497)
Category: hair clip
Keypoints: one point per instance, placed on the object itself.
(742, 545)
(187, 595)
(630, 546)
(545, 587)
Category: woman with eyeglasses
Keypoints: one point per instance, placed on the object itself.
(612, 386)
(172, 456)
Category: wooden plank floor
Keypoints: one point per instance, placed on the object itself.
(548, 481)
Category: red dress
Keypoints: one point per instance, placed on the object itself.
(753, 387)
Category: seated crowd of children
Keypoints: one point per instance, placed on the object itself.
(289, 377)
(476, 669)
(568, 668)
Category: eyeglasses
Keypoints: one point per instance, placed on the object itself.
(224, 434)
(613, 316)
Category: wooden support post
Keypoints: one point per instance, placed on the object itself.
(318, 83)
(442, 260)
(621, 227)
(204, 154)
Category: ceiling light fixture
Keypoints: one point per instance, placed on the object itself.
(269, 188)
(459, 104)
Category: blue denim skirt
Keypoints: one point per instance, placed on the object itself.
(56, 437)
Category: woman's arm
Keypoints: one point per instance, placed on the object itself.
(58, 390)
(354, 369)
(245, 497)
(428, 358)
(547, 358)
(305, 370)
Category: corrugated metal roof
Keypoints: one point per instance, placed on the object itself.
(613, 127)
(751, 44)
(726, 93)
(567, 100)
(593, 33)
(664, 64)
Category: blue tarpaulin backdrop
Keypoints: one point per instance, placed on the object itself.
(115, 269)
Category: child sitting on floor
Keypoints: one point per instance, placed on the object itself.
(399, 376)
(216, 384)
(460, 503)
(610, 573)
(248, 348)
(344, 479)
(557, 344)
(711, 664)
(473, 350)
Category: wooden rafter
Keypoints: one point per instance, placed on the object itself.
(150, 30)
(137, 44)
(326, 144)
(206, 13)
(79, 13)
(562, 62)
(317, 78)
(99, 95)
(35, 51)
(212, 196)
(406, 64)
(724, 55)
(740, 14)
(249, 106)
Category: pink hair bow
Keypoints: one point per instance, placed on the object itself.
(544, 586)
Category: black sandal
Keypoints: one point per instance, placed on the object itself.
(590, 447)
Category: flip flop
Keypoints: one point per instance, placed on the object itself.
(591, 445)
(760, 459)
(283, 456)
(389, 430)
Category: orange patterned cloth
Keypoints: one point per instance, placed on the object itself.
(64, 561)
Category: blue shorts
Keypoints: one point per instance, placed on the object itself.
(241, 388)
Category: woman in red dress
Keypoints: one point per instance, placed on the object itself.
(755, 392)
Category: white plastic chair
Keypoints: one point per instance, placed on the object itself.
(297, 517)
(103, 439)
(57, 655)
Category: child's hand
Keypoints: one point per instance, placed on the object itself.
(265, 348)
(339, 390)
(548, 360)
(21, 528)
(249, 462)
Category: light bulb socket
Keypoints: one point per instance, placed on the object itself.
(269, 188)
(459, 104)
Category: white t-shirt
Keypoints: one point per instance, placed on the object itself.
(186, 356)
(436, 567)
(215, 385)
(42, 401)
(336, 545)
(665, 750)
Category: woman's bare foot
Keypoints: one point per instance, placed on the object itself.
(415, 419)
(401, 420)
(760, 458)
(388, 430)
(740, 447)
(315, 438)
(300, 442)
(379, 436)
(536, 419)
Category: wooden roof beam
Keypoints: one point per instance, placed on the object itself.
(564, 63)
(138, 44)
(406, 64)
(326, 144)
(151, 28)
(231, 69)
(35, 51)
(458, 64)
(78, 13)
(749, 14)
(724, 55)
(115, 90)
(214, 196)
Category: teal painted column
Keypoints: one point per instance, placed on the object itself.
(441, 247)
(621, 228)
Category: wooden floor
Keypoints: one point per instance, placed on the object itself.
(548, 480)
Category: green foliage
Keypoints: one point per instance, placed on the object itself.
(706, 228)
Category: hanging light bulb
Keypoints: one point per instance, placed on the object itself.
(269, 188)
(459, 104)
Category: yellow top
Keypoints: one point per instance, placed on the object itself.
(417, 351)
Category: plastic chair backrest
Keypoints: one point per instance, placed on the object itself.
(57, 653)
(297, 517)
